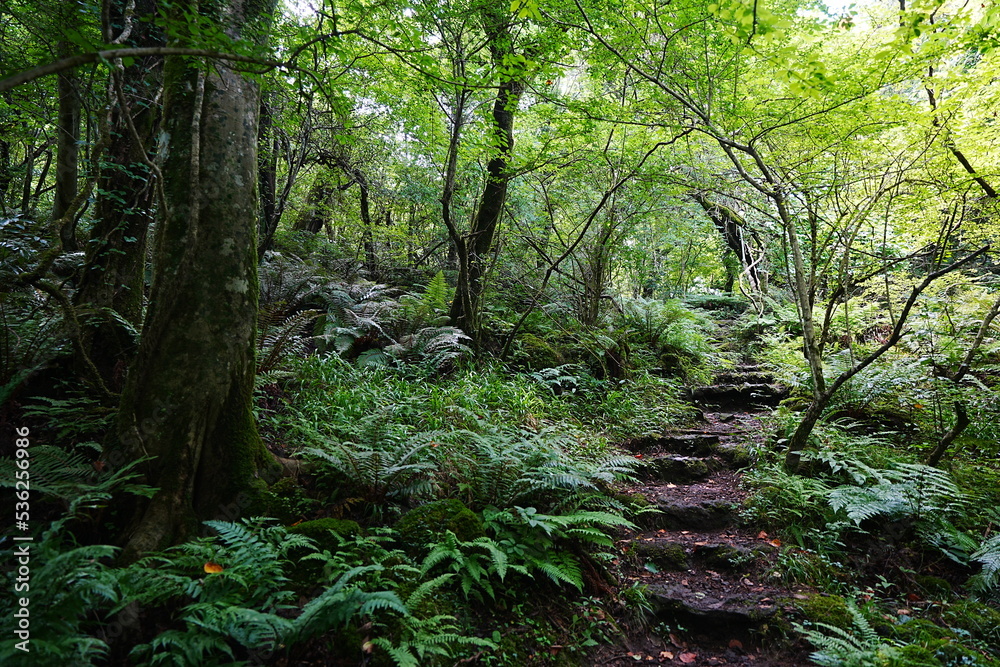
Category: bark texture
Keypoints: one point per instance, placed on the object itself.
(188, 397)
(111, 287)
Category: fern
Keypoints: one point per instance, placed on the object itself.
(71, 584)
(428, 308)
(278, 339)
(904, 490)
(435, 347)
(341, 603)
(473, 562)
(988, 556)
(840, 648)
(510, 466)
(386, 471)
(241, 605)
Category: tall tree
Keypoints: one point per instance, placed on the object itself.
(188, 396)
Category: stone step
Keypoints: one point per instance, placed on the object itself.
(673, 554)
(694, 514)
(739, 394)
(679, 469)
(749, 377)
(728, 612)
(691, 444)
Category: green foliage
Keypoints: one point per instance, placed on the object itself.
(238, 604)
(74, 418)
(539, 541)
(381, 470)
(318, 530)
(505, 467)
(69, 584)
(430, 307)
(672, 332)
(436, 349)
(72, 479)
(526, 542)
(838, 647)
(904, 490)
(277, 340)
(988, 557)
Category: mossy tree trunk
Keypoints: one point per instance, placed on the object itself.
(111, 287)
(187, 400)
(67, 149)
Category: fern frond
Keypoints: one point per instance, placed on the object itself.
(988, 556)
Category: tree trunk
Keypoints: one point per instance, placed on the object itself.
(477, 245)
(731, 227)
(317, 210)
(67, 152)
(267, 176)
(6, 175)
(111, 287)
(188, 397)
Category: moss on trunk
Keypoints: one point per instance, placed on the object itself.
(187, 401)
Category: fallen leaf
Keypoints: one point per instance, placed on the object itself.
(688, 657)
(762, 535)
(213, 568)
(675, 641)
(913, 597)
(904, 612)
(666, 655)
(775, 542)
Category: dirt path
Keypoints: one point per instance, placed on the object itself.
(706, 574)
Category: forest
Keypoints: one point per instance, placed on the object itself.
(476, 332)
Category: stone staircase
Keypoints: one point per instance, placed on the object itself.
(706, 574)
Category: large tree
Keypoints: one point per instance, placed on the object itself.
(188, 396)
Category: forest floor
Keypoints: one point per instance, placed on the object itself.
(707, 575)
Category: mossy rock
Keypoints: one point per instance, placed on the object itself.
(918, 631)
(913, 655)
(635, 501)
(980, 620)
(724, 556)
(538, 354)
(677, 469)
(319, 531)
(664, 555)
(736, 457)
(934, 587)
(829, 609)
(952, 653)
(427, 524)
